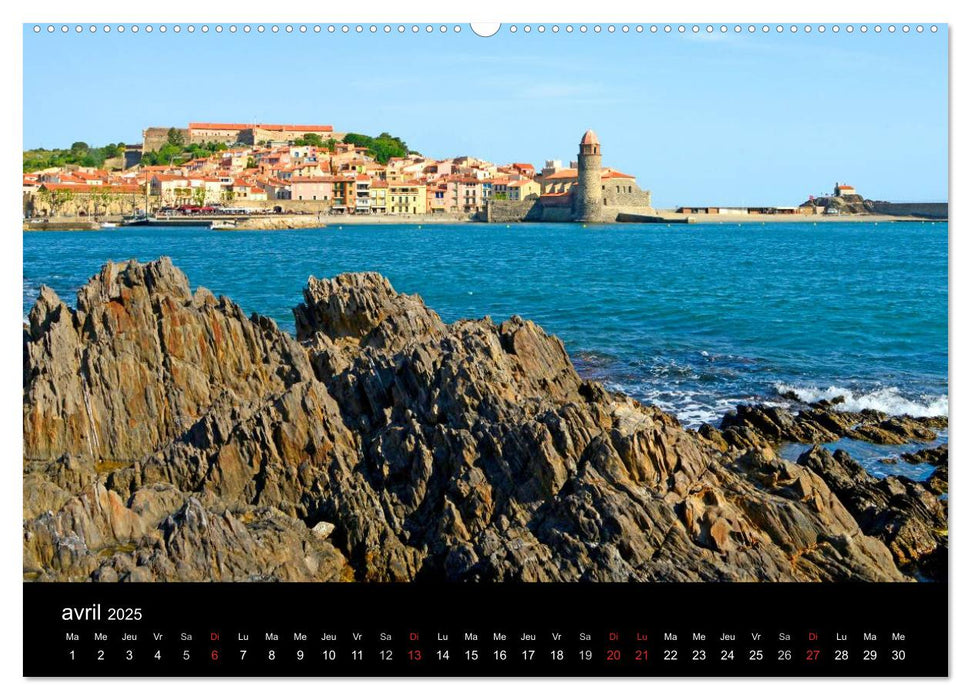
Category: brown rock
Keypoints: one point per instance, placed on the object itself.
(907, 516)
(822, 423)
(168, 437)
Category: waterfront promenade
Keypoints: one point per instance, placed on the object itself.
(301, 221)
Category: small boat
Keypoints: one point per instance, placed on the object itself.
(108, 224)
(222, 225)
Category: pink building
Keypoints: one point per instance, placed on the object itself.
(312, 188)
(464, 194)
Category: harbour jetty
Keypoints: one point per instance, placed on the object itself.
(169, 436)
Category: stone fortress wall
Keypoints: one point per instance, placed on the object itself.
(154, 137)
(928, 210)
(505, 212)
(619, 192)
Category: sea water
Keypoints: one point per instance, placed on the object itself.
(694, 319)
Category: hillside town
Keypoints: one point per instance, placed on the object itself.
(283, 168)
(293, 175)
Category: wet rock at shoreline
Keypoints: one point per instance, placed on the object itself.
(819, 423)
(937, 481)
(169, 437)
(904, 514)
(935, 456)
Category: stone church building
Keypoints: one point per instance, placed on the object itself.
(586, 192)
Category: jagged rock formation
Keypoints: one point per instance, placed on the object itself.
(169, 437)
(818, 423)
(906, 515)
(844, 204)
(935, 456)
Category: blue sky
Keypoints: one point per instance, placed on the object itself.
(699, 119)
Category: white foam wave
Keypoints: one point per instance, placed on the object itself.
(885, 399)
(692, 407)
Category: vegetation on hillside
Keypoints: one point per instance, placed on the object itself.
(315, 140)
(176, 151)
(79, 153)
(382, 148)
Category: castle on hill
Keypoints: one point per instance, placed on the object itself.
(586, 192)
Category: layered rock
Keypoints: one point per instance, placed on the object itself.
(820, 423)
(169, 437)
(910, 517)
(907, 515)
(139, 360)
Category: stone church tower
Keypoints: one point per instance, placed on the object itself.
(588, 199)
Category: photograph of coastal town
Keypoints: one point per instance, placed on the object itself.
(568, 303)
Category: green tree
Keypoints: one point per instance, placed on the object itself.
(55, 199)
(199, 196)
(382, 148)
(103, 196)
(175, 138)
(44, 199)
(168, 154)
(80, 153)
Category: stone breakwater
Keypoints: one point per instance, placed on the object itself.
(168, 436)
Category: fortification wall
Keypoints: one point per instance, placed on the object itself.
(532, 210)
(83, 204)
(154, 137)
(930, 210)
(505, 211)
(611, 214)
(555, 214)
(625, 193)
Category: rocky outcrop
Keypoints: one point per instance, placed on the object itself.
(935, 456)
(844, 204)
(139, 360)
(819, 423)
(906, 515)
(169, 437)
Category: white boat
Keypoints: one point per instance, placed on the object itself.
(108, 224)
(222, 225)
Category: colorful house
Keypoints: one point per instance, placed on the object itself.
(407, 198)
(312, 189)
(520, 190)
(379, 196)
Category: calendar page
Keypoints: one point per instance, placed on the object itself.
(524, 349)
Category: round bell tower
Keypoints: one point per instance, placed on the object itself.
(588, 199)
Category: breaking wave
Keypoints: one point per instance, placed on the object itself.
(885, 399)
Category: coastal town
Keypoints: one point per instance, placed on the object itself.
(292, 176)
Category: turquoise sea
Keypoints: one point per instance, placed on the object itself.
(693, 318)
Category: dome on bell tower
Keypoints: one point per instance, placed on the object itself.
(589, 139)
